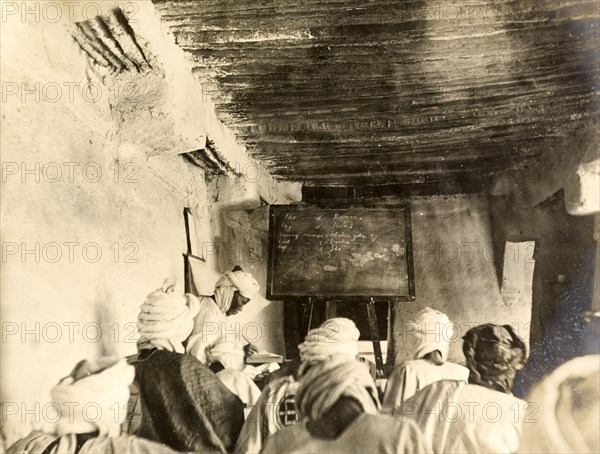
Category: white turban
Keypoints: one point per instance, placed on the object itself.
(324, 383)
(93, 395)
(336, 337)
(430, 331)
(229, 354)
(229, 283)
(167, 319)
(564, 414)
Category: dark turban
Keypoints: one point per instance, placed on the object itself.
(494, 354)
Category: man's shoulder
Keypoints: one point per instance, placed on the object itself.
(126, 444)
(491, 395)
(381, 421)
(387, 424)
(281, 382)
(35, 442)
(457, 369)
(289, 437)
(171, 364)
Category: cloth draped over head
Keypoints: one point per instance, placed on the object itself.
(229, 283)
(336, 337)
(324, 383)
(431, 330)
(93, 394)
(494, 354)
(166, 318)
(229, 354)
(569, 410)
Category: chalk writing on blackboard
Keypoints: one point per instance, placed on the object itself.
(340, 252)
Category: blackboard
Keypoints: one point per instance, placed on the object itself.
(339, 253)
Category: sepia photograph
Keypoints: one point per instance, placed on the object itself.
(310, 226)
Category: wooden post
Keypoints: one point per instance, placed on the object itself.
(374, 329)
(187, 272)
(188, 240)
(307, 316)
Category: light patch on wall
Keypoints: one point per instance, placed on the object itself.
(518, 273)
(582, 189)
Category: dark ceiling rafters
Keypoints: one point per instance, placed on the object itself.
(335, 93)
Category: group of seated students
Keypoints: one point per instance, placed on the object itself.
(197, 395)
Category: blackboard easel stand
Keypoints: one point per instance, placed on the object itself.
(373, 330)
(307, 314)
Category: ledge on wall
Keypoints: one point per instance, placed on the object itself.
(239, 192)
(571, 164)
(159, 106)
(582, 189)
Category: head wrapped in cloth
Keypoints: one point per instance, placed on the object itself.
(230, 355)
(324, 383)
(336, 337)
(229, 283)
(431, 330)
(94, 394)
(567, 406)
(166, 319)
(494, 354)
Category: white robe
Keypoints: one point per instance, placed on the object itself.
(373, 434)
(211, 327)
(37, 442)
(412, 376)
(461, 418)
(240, 384)
(274, 410)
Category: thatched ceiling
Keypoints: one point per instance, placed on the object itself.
(376, 92)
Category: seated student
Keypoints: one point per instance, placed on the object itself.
(482, 416)
(233, 291)
(338, 401)
(184, 404)
(227, 361)
(214, 341)
(275, 409)
(104, 385)
(565, 413)
(430, 337)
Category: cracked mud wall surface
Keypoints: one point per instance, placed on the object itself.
(92, 211)
(240, 237)
(90, 223)
(565, 245)
(455, 271)
(458, 247)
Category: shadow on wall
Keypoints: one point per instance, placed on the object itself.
(563, 281)
(455, 271)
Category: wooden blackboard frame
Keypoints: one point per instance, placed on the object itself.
(315, 296)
